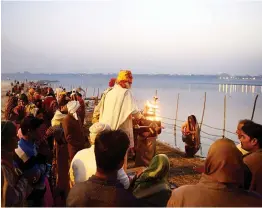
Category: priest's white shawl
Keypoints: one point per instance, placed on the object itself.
(117, 108)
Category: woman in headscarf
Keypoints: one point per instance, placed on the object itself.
(221, 184)
(152, 187)
(191, 136)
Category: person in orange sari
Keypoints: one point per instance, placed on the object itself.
(191, 136)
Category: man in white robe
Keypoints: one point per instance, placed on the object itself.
(119, 107)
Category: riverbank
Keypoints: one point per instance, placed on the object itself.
(182, 169)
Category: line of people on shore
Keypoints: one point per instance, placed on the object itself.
(50, 130)
(49, 159)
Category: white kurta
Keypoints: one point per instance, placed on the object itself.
(116, 111)
(83, 166)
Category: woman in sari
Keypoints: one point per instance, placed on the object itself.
(152, 187)
(191, 136)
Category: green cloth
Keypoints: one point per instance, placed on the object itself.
(155, 175)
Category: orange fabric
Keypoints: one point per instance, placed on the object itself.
(224, 162)
(31, 91)
(124, 76)
(112, 82)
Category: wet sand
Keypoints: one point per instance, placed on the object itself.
(182, 169)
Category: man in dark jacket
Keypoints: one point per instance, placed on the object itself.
(73, 129)
(251, 141)
(103, 189)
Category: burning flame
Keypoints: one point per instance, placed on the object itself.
(152, 111)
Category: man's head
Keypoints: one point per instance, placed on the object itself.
(29, 125)
(23, 100)
(50, 91)
(8, 136)
(110, 150)
(62, 99)
(251, 137)
(241, 123)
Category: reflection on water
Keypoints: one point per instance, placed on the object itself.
(225, 88)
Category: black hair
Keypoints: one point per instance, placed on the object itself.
(30, 123)
(245, 121)
(23, 97)
(110, 149)
(40, 110)
(78, 94)
(8, 130)
(253, 130)
(193, 117)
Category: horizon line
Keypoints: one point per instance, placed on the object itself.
(152, 74)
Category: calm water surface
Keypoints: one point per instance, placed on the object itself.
(240, 96)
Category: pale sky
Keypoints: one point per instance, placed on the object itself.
(146, 36)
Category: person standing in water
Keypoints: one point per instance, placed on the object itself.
(191, 136)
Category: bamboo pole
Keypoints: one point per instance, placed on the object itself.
(254, 107)
(176, 118)
(224, 126)
(203, 112)
(98, 93)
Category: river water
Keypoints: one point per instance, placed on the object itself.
(240, 96)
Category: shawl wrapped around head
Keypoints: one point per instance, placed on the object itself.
(72, 107)
(58, 117)
(156, 175)
(124, 76)
(224, 163)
